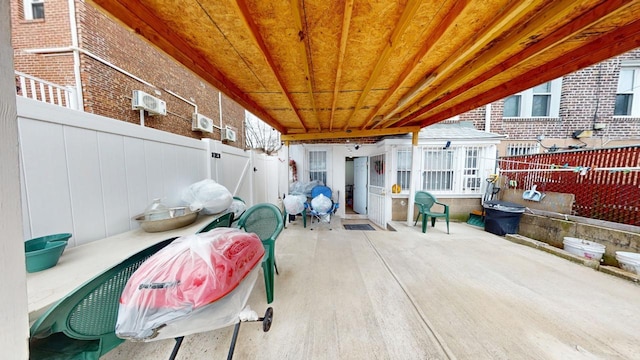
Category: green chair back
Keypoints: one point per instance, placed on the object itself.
(265, 220)
(221, 221)
(82, 324)
(424, 200)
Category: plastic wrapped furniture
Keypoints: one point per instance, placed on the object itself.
(82, 325)
(266, 221)
(321, 206)
(425, 202)
(295, 204)
(198, 283)
(220, 221)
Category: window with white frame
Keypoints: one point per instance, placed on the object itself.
(540, 101)
(403, 171)
(628, 93)
(437, 169)
(33, 9)
(455, 170)
(318, 165)
(376, 170)
(522, 149)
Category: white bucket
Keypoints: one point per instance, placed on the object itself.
(629, 261)
(588, 249)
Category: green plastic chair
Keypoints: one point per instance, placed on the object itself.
(82, 324)
(221, 221)
(238, 217)
(265, 220)
(425, 201)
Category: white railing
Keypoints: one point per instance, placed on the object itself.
(37, 89)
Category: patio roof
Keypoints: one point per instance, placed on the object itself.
(317, 69)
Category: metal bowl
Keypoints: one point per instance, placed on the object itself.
(178, 217)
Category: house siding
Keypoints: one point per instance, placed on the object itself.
(106, 90)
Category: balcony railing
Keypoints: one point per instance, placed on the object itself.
(31, 87)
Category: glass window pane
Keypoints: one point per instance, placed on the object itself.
(625, 81)
(512, 106)
(37, 10)
(542, 88)
(623, 104)
(540, 106)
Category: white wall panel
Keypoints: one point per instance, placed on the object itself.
(114, 183)
(44, 166)
(134, 158)
(85, 183)
(153, 153)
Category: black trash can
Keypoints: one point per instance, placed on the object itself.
(502, 217)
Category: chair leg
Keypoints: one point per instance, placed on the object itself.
(447, 219)
(433, 222)
(232, 348)
(176, 347)
(424, 223)
(417, 217)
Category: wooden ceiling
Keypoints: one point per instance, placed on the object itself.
(317, 69)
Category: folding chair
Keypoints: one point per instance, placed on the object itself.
(322, 214)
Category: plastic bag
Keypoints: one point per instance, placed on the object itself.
(294, 204)
(237, 207)
(197, 283)
(321, 204)
(207, 195)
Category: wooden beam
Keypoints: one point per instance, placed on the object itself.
(253, 30)
(401, 26)
(302, 49)
(621, 40)
(534, 47)
(346, 22)
(143, 21)
(349, 134)
(428, 45)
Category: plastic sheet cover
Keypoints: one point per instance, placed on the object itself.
(207, 195)
(294, 204)
(197, 283)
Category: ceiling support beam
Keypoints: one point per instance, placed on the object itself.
(623, 39)
(344, 36)
(254, 32)
(534, 46)
(349, 134)
(405, 20)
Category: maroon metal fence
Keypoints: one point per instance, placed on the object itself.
(606, 182)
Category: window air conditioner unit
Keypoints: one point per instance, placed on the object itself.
(228, 134)
(201, 123)
(144, 101)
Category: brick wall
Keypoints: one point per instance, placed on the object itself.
(583, 92)
(131, 64)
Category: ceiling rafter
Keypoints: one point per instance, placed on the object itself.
(625, 38)
(302, 49)
(346, 21)
(560, 8)
(446, 21)
(243, 10)
(144, 22)
(349, 134)
(407, 15)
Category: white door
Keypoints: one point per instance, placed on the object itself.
(360, 185)
(377, 194)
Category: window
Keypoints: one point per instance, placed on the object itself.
(403, 173)
(471, 181)
(33, 9)
(376, 170)
(437, 174)
(628, 92)
(318, 166)
(522, 149)
(540, 101)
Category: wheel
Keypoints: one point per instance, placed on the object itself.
(267, 320)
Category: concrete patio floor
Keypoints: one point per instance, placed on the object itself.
(406, 295)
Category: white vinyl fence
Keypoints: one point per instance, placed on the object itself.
(89, 175)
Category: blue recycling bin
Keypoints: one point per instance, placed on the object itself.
(502, 217)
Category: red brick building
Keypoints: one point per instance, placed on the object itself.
(71, 43)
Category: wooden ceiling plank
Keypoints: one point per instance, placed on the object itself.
(349, 134)
(401, 26)
(143, 21)
(602, 48)
(254, 32)
(440, 30)
(302, 49)
(346, 21)
(579, 23)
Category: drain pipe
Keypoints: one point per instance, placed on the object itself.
(76, 55)
(487, 118)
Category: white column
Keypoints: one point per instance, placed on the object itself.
(14, 326)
